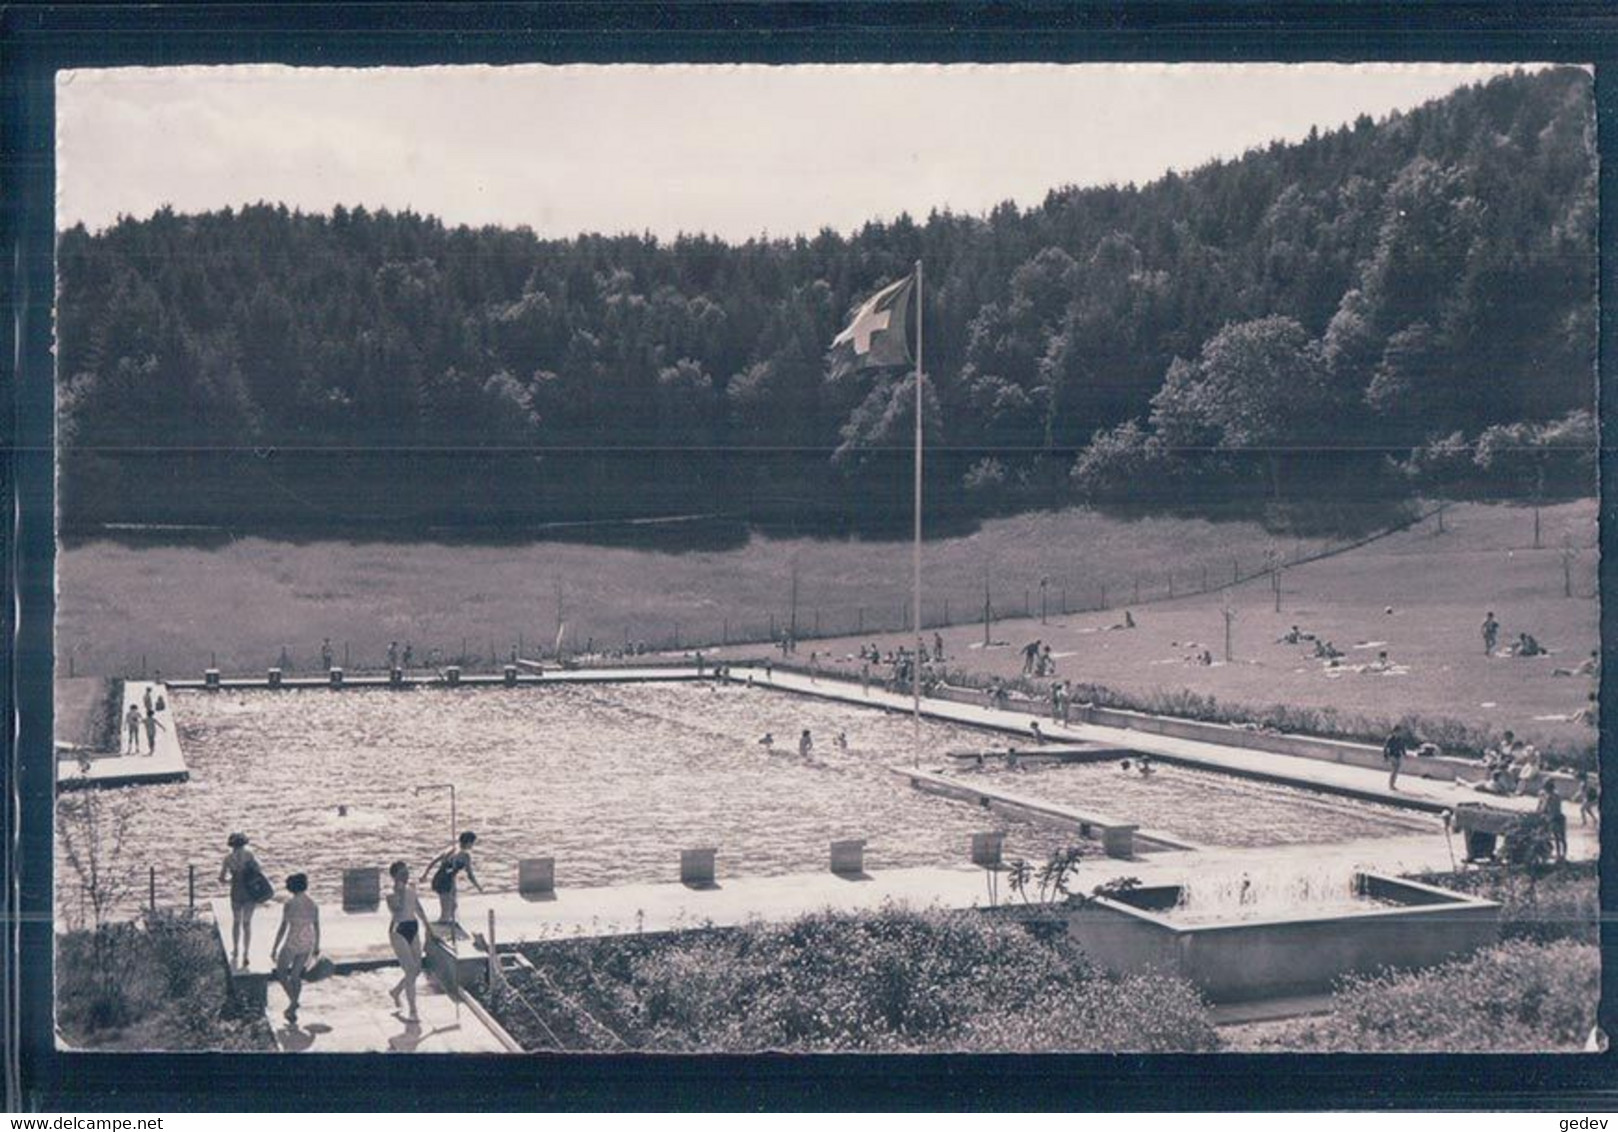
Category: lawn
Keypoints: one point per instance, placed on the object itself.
(1438, 585)
(179, 608)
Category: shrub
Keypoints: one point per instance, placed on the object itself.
(891, 980)
(1519, 995)
(169, 991)
(1560, 901)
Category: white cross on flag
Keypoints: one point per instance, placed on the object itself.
(880, 332)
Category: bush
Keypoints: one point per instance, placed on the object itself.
(1518, 996)
(885, 981)
(169, 991)
(1556, 902)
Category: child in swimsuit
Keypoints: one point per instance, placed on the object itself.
(297, 941)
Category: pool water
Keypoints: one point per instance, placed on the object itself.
(611, 780)
(1208, 808)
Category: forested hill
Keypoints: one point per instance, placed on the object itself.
(1424, 282)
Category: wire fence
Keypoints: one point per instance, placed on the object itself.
(603, 635)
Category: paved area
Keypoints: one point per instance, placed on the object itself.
(1308, 773)
(165, 763)
(353, 1014)
(530, 673)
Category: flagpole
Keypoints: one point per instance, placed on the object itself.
(915, 557)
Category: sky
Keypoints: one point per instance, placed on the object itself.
(733, 151)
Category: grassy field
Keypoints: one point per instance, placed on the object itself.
(178, 608)
(1438, 585)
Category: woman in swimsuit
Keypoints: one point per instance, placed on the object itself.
(444, 868)
(237, 864)
(404, 933)
(297, 941)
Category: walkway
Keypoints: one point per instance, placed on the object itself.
(353, 1014)
(1359, 782)
(164, 764)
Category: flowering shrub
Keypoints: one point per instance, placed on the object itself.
(891, 980)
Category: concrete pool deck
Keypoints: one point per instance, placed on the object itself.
(1369, 785)
(358, 940)
(353, 1014)
(166, 763)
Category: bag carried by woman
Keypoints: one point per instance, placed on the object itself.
(259, 888)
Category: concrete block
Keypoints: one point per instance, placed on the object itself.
(362, 889)
(536, 875)
(848, 857)
(210, 679)
(275, 677)
(986, 849)
(336, 677)
(1118, 840)
(453, 674)
(697, 866)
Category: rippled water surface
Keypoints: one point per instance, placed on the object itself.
(1210, 808)
(611, 780)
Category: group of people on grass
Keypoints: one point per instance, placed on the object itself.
(1037, 659)
(296, 948)
(1526, 644)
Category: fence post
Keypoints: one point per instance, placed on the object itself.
(191, 888)
(724, 632)
(1137, 591)
(1064, 599)
(494, 962)
(860, 621)
(151, 887)
(1536, 543)
(1027, 605)
(772, 626)
(1171, 583)
(817, 622)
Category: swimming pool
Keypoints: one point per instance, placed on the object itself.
(613, 780)
(1206, 807)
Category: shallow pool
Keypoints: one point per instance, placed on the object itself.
(611, 780)
(1206, 807)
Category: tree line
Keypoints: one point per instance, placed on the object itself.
(1397, 305)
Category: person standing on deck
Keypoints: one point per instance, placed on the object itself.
(132, 739)
(938, 648)
(405, 916)
(393, 655)
(1491, 633)
(1393, 753)
(239, 864)
(151, 730)
(445, 868)
(325, 655)
(297, 941)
